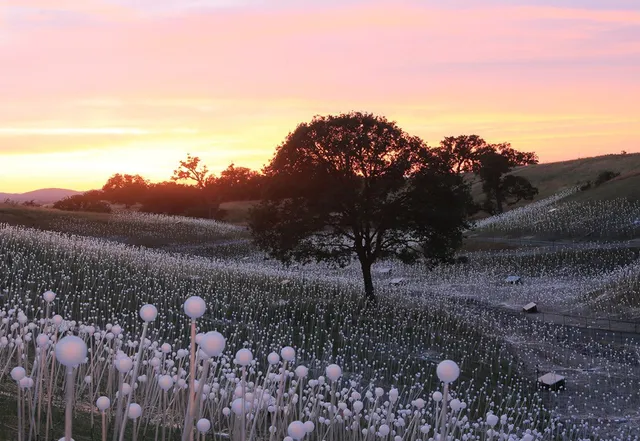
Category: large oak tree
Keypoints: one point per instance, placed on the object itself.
(357, 185)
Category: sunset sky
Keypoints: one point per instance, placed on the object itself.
(89, 88)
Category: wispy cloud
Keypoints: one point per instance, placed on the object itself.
(70, 131)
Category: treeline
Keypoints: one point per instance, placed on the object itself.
(192, 191)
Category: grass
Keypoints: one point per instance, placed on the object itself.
(45, 218)
(393, 341)
(131, 228)
(83, 429)
(553, 177)
(237, 212)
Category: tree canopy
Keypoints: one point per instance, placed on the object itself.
(125, 189)
(492, 163)
(357, 185)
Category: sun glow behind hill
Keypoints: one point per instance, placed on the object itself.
(131, 87)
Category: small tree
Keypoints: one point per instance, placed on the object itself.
(492, 163)
(90, 201)
(605, 176)
(191, 170)
(357, 185)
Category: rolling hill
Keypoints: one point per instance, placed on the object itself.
(41, 196)
(552, 177)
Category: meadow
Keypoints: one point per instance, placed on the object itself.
(303, 357)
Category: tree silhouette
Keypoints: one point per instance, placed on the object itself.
(125, 189)
(460, 152)
(88, 201)
(190, 169)
(357, 185)
(238, 183)
(492, 164)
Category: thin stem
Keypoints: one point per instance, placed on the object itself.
(69, 411)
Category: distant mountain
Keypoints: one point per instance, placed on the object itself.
(42, 196)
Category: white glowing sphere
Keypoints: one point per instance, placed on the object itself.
(296, 430)
(49, 296)
(309, 426)
(43, 341)
(71, 351)
(492, 419)
(455, 405)
(288, 353)
(203, 425)
(448, 371)
(383, 430)
(126, 389)
(195, 307)
(357, 406)
(166, 348)
(244, 357)
(333, 372)
(124, 364)
(165, 382)
(57, 319)
(236, 406)
(148, 313)
(302, 371)
(134, 411)
(273, 358)
(103, 403)
(437, 396)
(212, 343)
(116, 329)
(26, 382)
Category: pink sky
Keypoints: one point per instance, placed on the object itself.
(89, 88)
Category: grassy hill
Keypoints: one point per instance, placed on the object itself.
(552, 177)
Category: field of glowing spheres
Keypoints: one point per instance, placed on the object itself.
(203, 338)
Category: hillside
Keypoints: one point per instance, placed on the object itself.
(552, 177)
(41, 196)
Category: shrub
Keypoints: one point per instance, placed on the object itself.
(82, 202)
(605, 176)
(586, 186)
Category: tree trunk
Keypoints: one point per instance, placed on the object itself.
(368, 282)
(499, 200)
